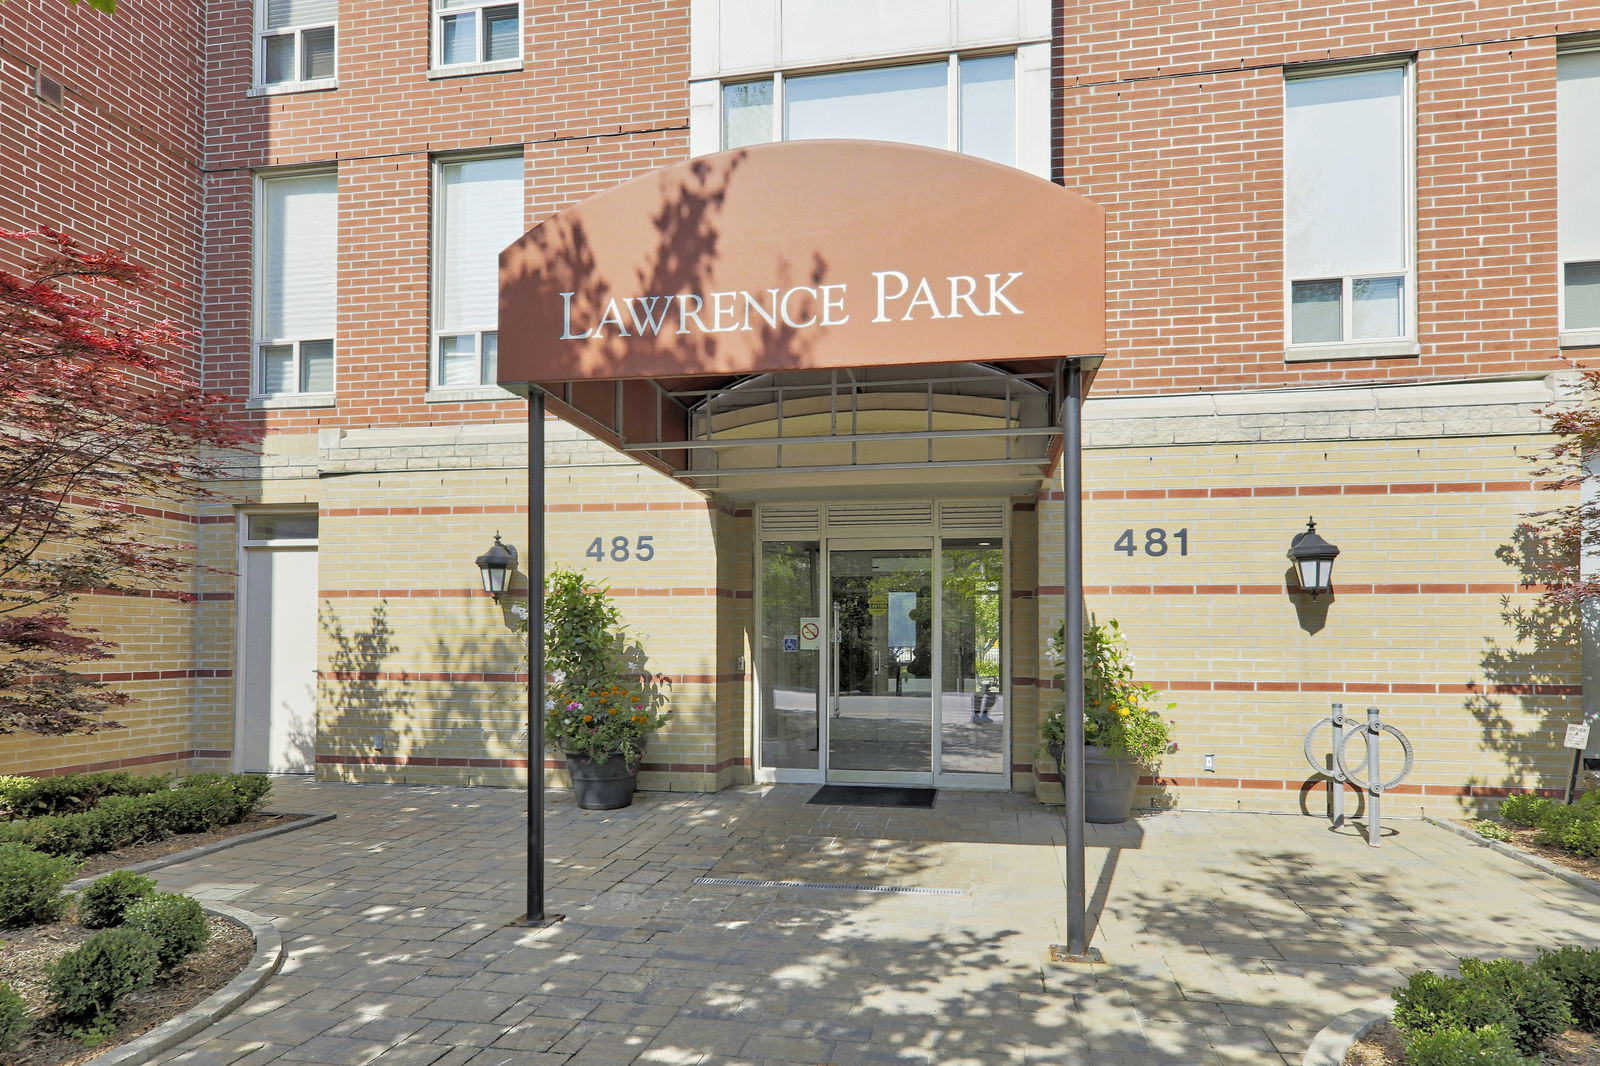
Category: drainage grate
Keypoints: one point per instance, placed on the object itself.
(909, 890)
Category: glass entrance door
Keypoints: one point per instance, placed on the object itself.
(880, 690)
(881, 661)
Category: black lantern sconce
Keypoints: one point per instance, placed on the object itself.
(496, 565)
(1313, 560)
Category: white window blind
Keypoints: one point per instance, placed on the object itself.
(480, 208)
(908, 104)
(1578, 154)
(1346, 174)
(282, 14)
(299, 257)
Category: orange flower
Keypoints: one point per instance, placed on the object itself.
(588, 718)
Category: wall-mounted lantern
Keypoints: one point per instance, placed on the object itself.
(496, 565)
(1313, 559)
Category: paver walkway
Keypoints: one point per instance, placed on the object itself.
(1230, 938)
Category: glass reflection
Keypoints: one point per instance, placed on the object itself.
(972, 709)
(790, 700)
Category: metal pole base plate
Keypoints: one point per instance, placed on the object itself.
(523, 922)
(1061, 953)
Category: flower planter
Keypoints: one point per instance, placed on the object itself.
(1108, 784)
(602, 786)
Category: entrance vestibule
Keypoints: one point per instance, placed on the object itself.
(883, 657)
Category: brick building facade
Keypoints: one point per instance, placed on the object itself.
(1229, 405)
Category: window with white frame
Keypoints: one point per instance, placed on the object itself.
(465, 31)
(1348, 207)
(962, 103)
(1577, 194)
(477, 212)
(297, 246)
(295, 41)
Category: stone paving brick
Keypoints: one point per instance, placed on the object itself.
(1230, 939)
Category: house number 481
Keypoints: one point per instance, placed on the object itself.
(1157, 541)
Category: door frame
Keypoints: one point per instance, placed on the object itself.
(244, 546)
(932, 536)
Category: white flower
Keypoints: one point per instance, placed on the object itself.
(520, 610)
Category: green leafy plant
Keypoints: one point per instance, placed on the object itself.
(32, 797)
(176, 923)
(30, 885)
(1524, 808)
(105, 902)
(601, 700)
(1430, 1002)
(1492, 830)
(1458, 1046)
(86, 984)
(122, 820)
(1118, 712)
(1577, 971)
(13, 1018)
(1536, 1000)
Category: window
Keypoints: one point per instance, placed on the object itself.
(1347, 207)
(966, 104)
(1577, 201)
(296, 41)
(465, 31)
(297, 273)
(477, 212)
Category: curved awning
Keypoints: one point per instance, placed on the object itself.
(632, 306)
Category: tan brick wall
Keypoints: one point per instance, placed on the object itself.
(1423, 622)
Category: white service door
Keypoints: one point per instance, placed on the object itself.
(277, 729)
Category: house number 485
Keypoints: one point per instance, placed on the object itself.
(621, 549)
(1157, 541)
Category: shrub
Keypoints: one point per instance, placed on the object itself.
(1431, 1003)
(106, 901)
(30, 885)
(86, 984)
(1458, 1046)
(33, 797)
(1577, 971)
(1535, 999)
(13, 1018)
(59, 834)
(122, 820)
(1581, 837)
(1524, 808)
(1492, 830)
(176, 923)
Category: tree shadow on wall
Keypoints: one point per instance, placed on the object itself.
(359, 701)
(1539, 668)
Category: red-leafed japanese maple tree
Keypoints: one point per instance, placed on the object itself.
(1552, 542)
(98, 421)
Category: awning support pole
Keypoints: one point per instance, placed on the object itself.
(536, 697)
(1072, 663)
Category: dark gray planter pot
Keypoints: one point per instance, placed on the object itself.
(1108, 785)
(602, 786)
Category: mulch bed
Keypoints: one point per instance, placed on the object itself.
(24, 954)
(1523, 838)
(116, 860)
(1382, 1047)
(28, 951)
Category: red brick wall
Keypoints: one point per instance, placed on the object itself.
(603, 98)
(1171, 117)
(118, 164)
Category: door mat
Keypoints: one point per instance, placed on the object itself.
(873, 796)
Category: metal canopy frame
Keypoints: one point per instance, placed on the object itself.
(1064, 400)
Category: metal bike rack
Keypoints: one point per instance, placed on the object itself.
(1344, 730)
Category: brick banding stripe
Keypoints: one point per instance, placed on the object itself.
(472, 593)
(1340, 589)
(1316, 783)
(1237, 492)
(128, 763)
(1471, 688)
(517, 508)
(517, 764)
(156, 675)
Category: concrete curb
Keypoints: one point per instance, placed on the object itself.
(268, 957)
(307, 820)
(1588, 884)
(1329, 1047)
